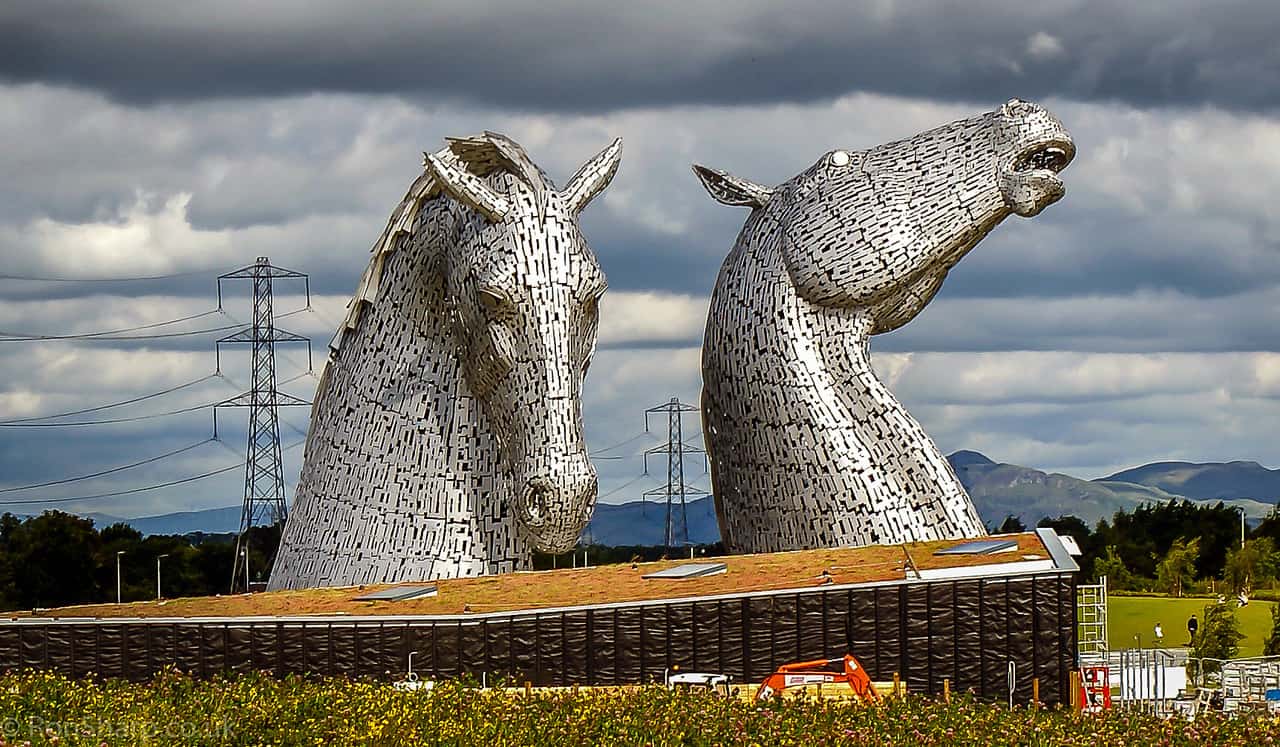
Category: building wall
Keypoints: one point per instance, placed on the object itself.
(965, 630)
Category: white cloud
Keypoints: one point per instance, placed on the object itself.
(1044, 46)
(630, 317)
(1094, 413)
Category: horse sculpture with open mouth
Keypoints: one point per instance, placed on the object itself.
(808, 447)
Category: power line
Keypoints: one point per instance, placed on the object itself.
(624, 486)
(620, 444)
(98, 336)
(324, 317)
(143, 489)
(121, 403)
(113, 470)
(127, 279)
(109, 421)
(25, 336)
(309, 372)
(25, 423)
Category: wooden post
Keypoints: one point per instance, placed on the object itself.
(1075, 690)
(897, 685)
(1035, 692)
(528, 688)
(946, 689)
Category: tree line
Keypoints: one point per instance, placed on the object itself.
(58, 559)
(1179, 547)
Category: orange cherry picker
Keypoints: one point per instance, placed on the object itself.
(820, 672)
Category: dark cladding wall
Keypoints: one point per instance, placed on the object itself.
(965, 630)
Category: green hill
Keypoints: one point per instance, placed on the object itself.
(1208, 481)
(999, 490)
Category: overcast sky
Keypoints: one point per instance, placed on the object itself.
(1134, 321)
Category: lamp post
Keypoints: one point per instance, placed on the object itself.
(119, 553)
(158, 557)
(1241, 510)
(244, 553)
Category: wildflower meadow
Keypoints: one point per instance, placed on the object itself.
(255, 709)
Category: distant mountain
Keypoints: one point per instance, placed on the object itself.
(643, 522)
(999, 490)
(209, 521)
(635, 523)
(1207, 481)
(965, 458)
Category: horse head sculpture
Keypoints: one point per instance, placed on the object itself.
(464, 350)
(523, 291)
(808, 448)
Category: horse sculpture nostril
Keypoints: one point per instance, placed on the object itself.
(535, 503)
(553, 511)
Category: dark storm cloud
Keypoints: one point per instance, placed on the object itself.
(554, 56)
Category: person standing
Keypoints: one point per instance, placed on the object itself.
(1192, 626)
(1159, 635)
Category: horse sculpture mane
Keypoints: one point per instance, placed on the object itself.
(446, 435)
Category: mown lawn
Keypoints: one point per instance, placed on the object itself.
(1132, 616)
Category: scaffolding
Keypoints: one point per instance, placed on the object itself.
(1091, 616)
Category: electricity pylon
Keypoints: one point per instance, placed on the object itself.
(675, 448)
(264, 500)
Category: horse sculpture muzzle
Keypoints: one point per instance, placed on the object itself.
(554, 506)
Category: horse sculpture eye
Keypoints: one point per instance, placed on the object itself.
(493, 301)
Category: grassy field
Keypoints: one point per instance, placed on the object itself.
(1130, 616)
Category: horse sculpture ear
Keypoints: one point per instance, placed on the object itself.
(732, 190)
(464, 186)
(593, 177)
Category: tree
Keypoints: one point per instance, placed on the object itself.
(1251, 564)
(1112, 566)
(52, 561)
(1178, 568)
(1218, 636)
(1145, 536)
(1069, 525)
(1011, 525)
(1272, 645)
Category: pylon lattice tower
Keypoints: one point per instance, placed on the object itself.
(264, 499)
(675, 448)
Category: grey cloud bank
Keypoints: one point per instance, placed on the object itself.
(601, 56)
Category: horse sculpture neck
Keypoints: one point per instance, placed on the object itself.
(426, 478)
(807, 388)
